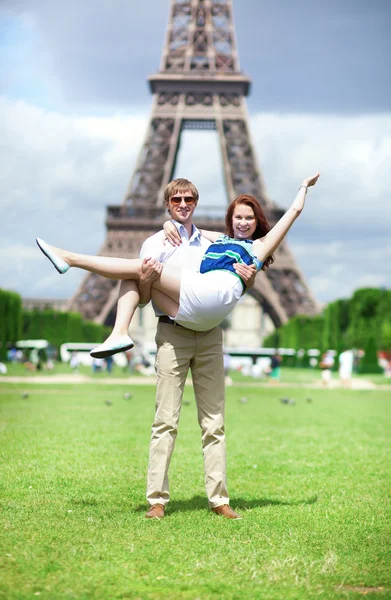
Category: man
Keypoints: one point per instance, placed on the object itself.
(326, 364)
(275, 366)
(346, 367)
(178, 350)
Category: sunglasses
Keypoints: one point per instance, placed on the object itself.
(176, 200)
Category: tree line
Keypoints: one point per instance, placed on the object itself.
(55, 326)
(362, 322)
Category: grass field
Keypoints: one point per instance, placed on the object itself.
(311, 480)
(289, 374)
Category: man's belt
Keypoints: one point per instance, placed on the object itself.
(169, 321)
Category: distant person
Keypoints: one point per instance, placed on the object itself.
(129, 361)
(345, 360)
(326, 364)
(109, 363)
(227, 368)
(275, 367)
(74, 362)
(96, 365)
(12, 355)
(356, 361)
(3, 369)
(42, 357)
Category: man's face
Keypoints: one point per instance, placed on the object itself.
(181, 207)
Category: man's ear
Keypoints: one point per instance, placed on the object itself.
(168, 208)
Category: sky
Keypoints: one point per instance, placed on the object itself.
(75, 104)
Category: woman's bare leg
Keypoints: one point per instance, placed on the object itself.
(128, 299)
(112, 268)
(165, 303)
(169, 281)
(119, 340)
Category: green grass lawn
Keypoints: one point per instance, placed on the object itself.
(288, 374)
(311, 480)
(19, 370)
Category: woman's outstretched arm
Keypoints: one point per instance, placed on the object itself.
(265, 246)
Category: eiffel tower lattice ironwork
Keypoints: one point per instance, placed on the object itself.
(199, 86)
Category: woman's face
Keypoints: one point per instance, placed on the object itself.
(244, 223)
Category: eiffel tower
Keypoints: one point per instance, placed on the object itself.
(199, 86)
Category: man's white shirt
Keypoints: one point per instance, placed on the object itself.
(188, 255)
(346, 360)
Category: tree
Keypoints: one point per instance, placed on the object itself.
(369, 362)
(10, 320)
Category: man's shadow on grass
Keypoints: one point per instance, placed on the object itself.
(200, 502)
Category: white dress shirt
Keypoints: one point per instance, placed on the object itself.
(188, 255)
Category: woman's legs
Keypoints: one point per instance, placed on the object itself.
(169, 281)
(166, 304)
(119, 340)
(128, 299)
(112, 268)
(165, 290)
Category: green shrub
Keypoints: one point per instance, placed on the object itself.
(369, 362)
(61, 327)
(10, 320)
(363, 321)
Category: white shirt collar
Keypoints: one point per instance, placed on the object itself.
(195, 232)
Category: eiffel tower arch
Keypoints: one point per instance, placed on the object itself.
(199, 86)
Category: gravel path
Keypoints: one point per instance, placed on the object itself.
(357, 384)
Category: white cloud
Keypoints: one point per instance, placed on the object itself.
(64, 152)
(60, 171)
(57, 174)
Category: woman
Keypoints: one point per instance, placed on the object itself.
(197, 301)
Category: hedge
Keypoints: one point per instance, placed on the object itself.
(363, 321)
(54, 326)
(61, 327)
(369, 309)
(10, 320)
(299, 332)
(369, 362)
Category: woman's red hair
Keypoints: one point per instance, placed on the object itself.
(262, 227)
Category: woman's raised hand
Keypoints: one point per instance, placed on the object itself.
(311, 180)
(172, 233)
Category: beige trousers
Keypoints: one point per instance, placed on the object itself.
(179, 349)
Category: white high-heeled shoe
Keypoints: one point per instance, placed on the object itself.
(60, 264)
(120, 344)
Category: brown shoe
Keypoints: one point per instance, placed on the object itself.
(226, 511)
(156, 511)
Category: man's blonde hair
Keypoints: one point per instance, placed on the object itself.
(179, 186)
